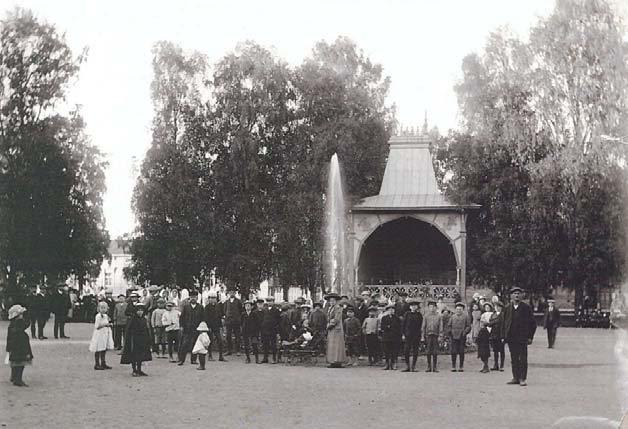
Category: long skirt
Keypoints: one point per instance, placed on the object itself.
(336, 347)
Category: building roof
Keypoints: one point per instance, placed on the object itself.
(409, 181)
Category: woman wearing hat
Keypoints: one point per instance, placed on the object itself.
(335, 333)
(18, 344)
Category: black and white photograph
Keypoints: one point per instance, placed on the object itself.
(344, 214)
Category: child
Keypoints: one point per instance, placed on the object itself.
(102, 337)
(391, 337)
(119, 322)
(484, 350)
(352, 336)
(370, 329)
(170, 323)
(137, 342)
(202, 345)
(496, 343)
(459, 327)
(158, 327)
(412, 334)
(432, 330)
(18, 344)
(251, 328)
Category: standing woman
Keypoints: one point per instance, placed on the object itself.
(335, 333)
(18, 344)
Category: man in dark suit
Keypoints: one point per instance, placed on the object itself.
(38, 312)
(213, 317)
(191, 316)
(251, 327)
(270, 329)
(518, 328)
(60, 304)
(551, 321)
(232, 313)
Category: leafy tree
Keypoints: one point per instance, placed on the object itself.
(172, 199)
(52, 178)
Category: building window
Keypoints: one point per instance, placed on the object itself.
(107, 279)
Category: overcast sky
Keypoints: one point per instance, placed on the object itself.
(420, 44)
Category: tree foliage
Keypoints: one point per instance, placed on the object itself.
(533, 152)
(52, 178)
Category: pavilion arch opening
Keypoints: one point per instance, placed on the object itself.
(407, 251)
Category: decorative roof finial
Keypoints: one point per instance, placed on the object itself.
(424, 131)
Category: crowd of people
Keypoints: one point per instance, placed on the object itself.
(172, 324)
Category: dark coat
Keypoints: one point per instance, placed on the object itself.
(270, 321)
(213, 315)
(251, 324)
(526, 328)
(191, 317)
(18, 344)
(495, 322)
(401, 308)
(551, 320)
(353, 329)
(412, 325)
(232, 310)
(60, 303)
(391, 328)
(362, 312)
(483, 342)
(285, 326)
(137, 341)
(317, 320)
(38, 306)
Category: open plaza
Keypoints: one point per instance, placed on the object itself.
(578, 378)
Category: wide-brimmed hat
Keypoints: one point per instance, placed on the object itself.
(153, 288)
(516, 289)
(139, 305)
(15, 311)
(332, 295)
(248, 302)
(305, 306)
(202, 327)
(489, 304)
(413, 301)
(551, 301)
(258, 300)
(365, 292)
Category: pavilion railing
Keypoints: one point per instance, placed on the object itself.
(448, 292)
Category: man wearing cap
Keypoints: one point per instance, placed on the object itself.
(390, 329)
(60, 304)
(270, 329)
(38, 312)
(251, 328)
(213, 317)
(551, 321)
(412, 334)
(191, 316)
(518, 330)
(459, 327)
(232, 312)
(317, 319)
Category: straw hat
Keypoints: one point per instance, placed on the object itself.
(15, 311)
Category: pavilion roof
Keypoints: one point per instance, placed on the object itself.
(409, 181)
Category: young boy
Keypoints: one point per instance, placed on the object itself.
(391, 337)
(251, 328)
(483, 342)
(370, 329)
(432, 330)
(119, 322)
(352, 336)
(170, 323)
(412, 334)
(158, 328)
(459, 327)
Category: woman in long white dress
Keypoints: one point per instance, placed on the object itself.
(102, 338)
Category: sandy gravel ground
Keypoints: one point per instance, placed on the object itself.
(578, 378)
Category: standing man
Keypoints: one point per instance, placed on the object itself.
(233, 311)
(191, 317)
(270, 329)
(38, 312)
(213, 317)
(518, 329)
(251, 327)
(551, 321)
(60, 305)
(411, 330)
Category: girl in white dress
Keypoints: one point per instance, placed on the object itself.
(102, 338)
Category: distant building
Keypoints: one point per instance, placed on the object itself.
(112, 270)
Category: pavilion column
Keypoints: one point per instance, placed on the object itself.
(463, 256)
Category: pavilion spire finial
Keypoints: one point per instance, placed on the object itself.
(425, 128)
